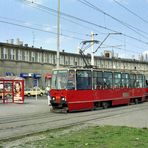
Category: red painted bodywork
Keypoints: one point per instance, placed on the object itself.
(84, 99)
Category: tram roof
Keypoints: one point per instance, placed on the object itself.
(104, 69)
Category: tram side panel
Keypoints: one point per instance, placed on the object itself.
(114, 96)
(139, 93)
(80, 99)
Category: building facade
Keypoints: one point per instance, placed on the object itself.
(35, 64)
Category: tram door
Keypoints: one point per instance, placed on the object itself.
(98, 84)
(84, 88)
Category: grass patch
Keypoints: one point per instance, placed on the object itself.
(91, 137)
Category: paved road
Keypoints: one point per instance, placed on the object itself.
(35, 116)
(31, 105)
(136, 118)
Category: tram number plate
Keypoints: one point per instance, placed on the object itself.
(126, 94)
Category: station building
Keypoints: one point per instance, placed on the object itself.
(35, 64)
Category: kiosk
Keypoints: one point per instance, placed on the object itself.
(11, 89)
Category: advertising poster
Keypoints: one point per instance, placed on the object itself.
(18, 91)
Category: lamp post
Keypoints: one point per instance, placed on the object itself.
(58, 35)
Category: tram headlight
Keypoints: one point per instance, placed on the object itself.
(63, 99)
(53, 98)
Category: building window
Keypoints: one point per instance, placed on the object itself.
(5, 53)
(67, 60)
(45, 58)
(32, 56)
(97, 62)
(71, 60)
(12, 54)
(101, 64)
(39, 57)
(62, 60)
(20, 55)
(50, 58)
(80, 62)
(26, 56)
(76, 61)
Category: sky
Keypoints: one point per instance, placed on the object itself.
(35, 23)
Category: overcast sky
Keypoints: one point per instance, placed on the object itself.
(36, 24)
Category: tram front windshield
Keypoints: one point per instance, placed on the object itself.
(59, 79)
(63, 79)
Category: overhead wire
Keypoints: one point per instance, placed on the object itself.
(69, 16)
(39, 6)
(39, 25)
(33, 28)
(130, 11)
(134, 29)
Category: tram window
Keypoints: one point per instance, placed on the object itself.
(144, 80)
(84, 79)
(59, 79)
(132, 80)
(139, 81)
(107, 80)
(125, 80)
(146, 83)
(117, 80)
(71, 80)
(97, 80)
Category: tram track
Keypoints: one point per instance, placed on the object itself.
(19, 126)
(17, 118)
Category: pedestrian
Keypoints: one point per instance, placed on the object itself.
(48, 94)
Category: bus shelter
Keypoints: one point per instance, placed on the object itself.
(11, 89)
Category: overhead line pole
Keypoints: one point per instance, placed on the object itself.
(92, 48)
(58, 35)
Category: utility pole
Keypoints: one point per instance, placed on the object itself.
(58, 35)
(92, 48)
(33, 38)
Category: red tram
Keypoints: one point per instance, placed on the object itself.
(86, 89)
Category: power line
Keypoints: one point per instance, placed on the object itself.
(39, 6)
(134, 29)
(129, 43)
(53, 12)
(133, 13)
(39, 25)
(19, 25)
(32, 28)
